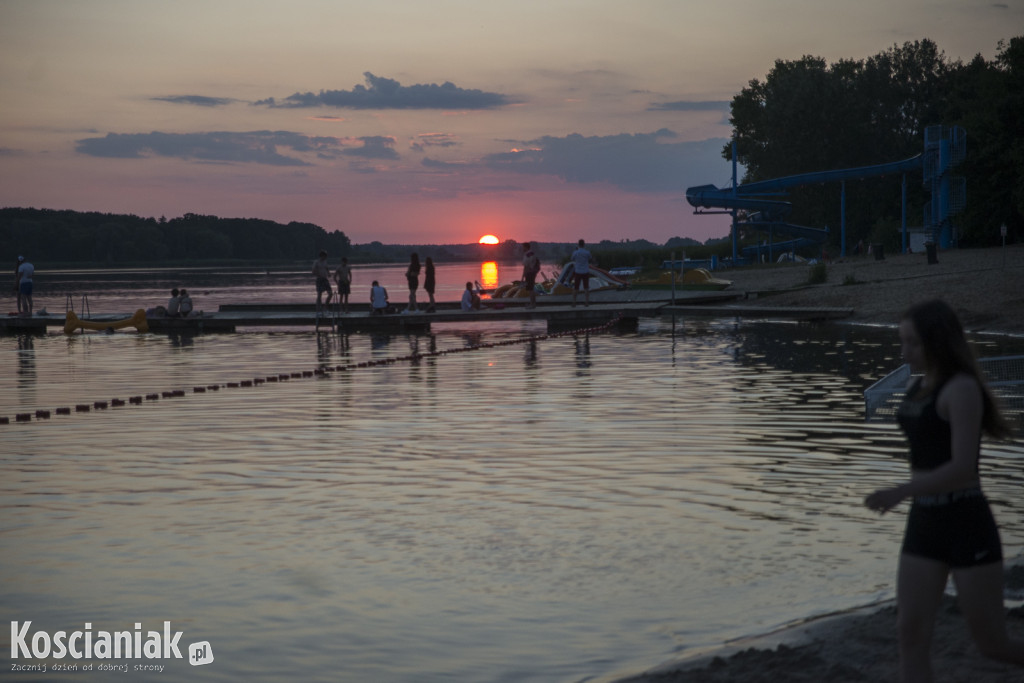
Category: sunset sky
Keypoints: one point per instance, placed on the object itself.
(416, 121)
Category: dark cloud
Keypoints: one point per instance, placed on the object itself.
(257, 147)
(196, 100)
(690, 105)
(444, 165)
(642, 162)
(374, 147)
(425, 140)
(385, 93)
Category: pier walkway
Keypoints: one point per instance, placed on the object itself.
(557, 312)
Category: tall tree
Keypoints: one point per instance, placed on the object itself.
(807, 115)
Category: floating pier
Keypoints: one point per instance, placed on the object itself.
(559, 314)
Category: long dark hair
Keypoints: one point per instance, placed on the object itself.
(947, 352)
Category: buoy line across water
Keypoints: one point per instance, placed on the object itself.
(41, 414)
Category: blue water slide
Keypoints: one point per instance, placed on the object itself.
(765, 213)
(748, 196)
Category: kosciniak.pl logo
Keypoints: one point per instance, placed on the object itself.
(89, 644)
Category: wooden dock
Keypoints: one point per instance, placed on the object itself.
(627, 306)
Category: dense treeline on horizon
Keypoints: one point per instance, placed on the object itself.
(807, 115)
(114, 239)
(101, 239)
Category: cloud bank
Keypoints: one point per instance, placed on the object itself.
(640, 162)
(690, 105)
(386, 93)
(196, 100)
(374, 147)
(259, 147)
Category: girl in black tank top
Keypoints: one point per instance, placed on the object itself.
(950, 528)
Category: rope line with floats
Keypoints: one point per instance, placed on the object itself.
(46, 414)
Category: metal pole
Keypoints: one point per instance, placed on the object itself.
(673, 273)
(904, 217)
(842, 225)
(735, 236)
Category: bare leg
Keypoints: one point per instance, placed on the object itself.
(919, 589)
(980, 595)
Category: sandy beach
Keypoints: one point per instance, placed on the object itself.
(986, 286)
(851, 648)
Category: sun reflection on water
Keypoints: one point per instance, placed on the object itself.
(489, 274)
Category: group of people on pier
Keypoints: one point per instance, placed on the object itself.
(380, 303)
(342, 280)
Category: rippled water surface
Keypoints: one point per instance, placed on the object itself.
(551, 510)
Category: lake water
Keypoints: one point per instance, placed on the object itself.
(556, 509)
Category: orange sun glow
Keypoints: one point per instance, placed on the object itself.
(488, 239)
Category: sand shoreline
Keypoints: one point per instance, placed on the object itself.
(853, 646)
(985, 286)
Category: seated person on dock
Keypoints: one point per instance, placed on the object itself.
(470, 299)
(378, 299)
(184, 304)
(174, 305)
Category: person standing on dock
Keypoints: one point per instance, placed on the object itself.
(23, 281)
(323, 283)
(343, 279)
(531, 266)
(429, 283)
(413, 277)
(950, 528)
(17, 290)
(581, 260)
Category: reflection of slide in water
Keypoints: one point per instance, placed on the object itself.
(770, 214)
(138, 321)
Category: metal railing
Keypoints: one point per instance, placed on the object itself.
(1004, 375)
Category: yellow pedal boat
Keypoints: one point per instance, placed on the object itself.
(138, 321)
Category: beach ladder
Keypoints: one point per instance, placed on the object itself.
(325, 314)
(69, 306)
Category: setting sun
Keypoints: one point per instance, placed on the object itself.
(488, 239)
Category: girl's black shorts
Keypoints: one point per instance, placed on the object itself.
(960, 534)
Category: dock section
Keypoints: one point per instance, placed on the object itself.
(558, 313)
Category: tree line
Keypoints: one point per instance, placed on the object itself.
(116, 239)
(808, 115)
(90, 238)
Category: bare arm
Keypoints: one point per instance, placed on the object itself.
(960, 403)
